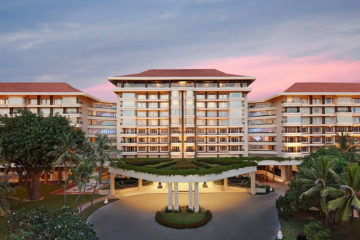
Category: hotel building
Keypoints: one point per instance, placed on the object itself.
(182, 113)
(303, 118)
(46, 99)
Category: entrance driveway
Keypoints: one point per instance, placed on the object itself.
(235, 216)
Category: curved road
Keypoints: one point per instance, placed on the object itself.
(235, 216)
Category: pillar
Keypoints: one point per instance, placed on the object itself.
(190, 206)
(112, 184)
(283, 173)
(176, 199)
(140, 183)
(196, 189)
(225, 184)
(252, 183)
(169, 196)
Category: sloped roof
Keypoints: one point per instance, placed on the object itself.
(182, 73)
(37, 87)
(323, 87)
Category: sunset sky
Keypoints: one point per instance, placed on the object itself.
(84, 42)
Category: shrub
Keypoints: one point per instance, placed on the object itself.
(317, 231)
(42, 224)
(162, 221)
(184, 164)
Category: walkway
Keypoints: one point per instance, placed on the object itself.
(235, 216)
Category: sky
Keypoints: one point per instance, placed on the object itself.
(85, 42)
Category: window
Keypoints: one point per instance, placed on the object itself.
(200, 96)
(200, 139)
(128, 113)
(200, 104)
(223, 122)
(164, 140)
(153, 131)
(58, 111)
(211, 104)
(329, 101)
(223, 96)
(139, 122)
(211, 96)
(201, 149)
(164, 96)
(164, 149)
(291, 110)
(142, 131)
(223, 104)
(164, 122)
(153, 105)
(153, 96)
(223, 139)
(152, 122)
(128, 95)
(175, 149)
(211, 148)
(164, 105)
(33, 101)
(141, 96)
(189, 93)
(200, 122)
(235, 103)
(317, 110)
(141, 140)
(153, 149)
(305, 110)
(343, 100)
(141, 113)
(305, 120)
(164, 113)
(329, 110)
(212, 122)
(45, 112)
(200, 113)
(190, 149)
(189, 121)
(175, 103)
(222, 130)
(153, 113)
(235, 95)
(211, 113)
(189, 111)
(189, 102)
(236, 121)
(343, 119)
(57, 101)
(139, 105)
(45, 101)
(316, 120)
(141, 149)
(175, 112)
(223, 113)
(355, 109)
(293, 120)
(316, 101)
(174, 93)
(153, 140)
(175, 121)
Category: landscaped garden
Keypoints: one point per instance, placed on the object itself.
(324, 196)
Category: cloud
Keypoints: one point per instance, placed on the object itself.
(275, 73)
(102, 91)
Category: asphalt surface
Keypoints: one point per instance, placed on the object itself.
(235, 216)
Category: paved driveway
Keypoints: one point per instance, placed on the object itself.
(235, 216)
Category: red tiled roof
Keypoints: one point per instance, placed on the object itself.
(37, 87)
(323, 87)
(182, 73)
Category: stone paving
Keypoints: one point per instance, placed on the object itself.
(235, 216)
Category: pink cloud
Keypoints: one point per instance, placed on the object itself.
(274, 73)
(104, 91)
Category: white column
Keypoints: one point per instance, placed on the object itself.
(246, 140)
(252, 183)
(112, 184)
(283, 173)
(190, 196)
(176, 200)
(169, 196)
(196, 186)
(140, 182)
(225, 184)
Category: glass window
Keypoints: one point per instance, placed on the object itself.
(45, 101)
(153, 105)
(164, 122)
(328, 100)
(164, 113)
(223, 96)
(305, 110)
(236, 103)
(200, 96)
(164, 96)
(153, 96)
(175, 103)
(223, 104)
(139, 105)
(189, 93)
(234, 113)
(130, 122)
(211, 113)
(200, 122)
(200, 104)
(329, 110)
(57, 101)
(164, 105)
(45, 112)
(128, 113)
(189, 121)
(189, 111)
(293, 120)
(235, 95)
(152, 122)
(175, 112)
(189, 102)
(211, 96)
(33, 101)
(174, 93)
(128, 103)
(128, 95)
(211, 122)
(139, 122)
(223, 113)
(141, 96)
(141, 113)
(223, 122)
(200, 113)
(211, 104)
(317, 110)
(153, 114)
(236, 121)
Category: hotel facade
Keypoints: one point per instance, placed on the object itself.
(193, 113)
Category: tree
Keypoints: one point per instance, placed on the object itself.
(42, 224)
(66, 154)
(82, 174)
(316, 178)
(347, 196)
(345, 143)
(101, 155)
(5, 195)
(26, 141)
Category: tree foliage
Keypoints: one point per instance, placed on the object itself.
(27, 139)
(41, 224)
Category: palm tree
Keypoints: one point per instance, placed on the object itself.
(345, 143)
(102, 150)
(82, 174)
(66, 153)
(316, 179)
(347, 196)
(5, 195)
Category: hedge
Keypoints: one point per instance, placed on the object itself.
(162, 221)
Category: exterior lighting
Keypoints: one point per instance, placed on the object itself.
(106, 201)
(159, 186)
(205, 185)
(182, 83)
(280, 235)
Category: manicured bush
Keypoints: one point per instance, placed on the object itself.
(159, 218)
(317, 231)
(144, 161)
(41, 224)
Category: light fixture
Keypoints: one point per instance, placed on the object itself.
(205, 185)
(159, 186)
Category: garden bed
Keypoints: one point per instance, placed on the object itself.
(183, 219)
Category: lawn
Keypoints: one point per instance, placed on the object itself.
(50, 201)
(88, 211)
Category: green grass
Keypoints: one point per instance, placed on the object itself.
(292, 227)
(49, 201)
(88, 211)
(183, 217)
(184, 164)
